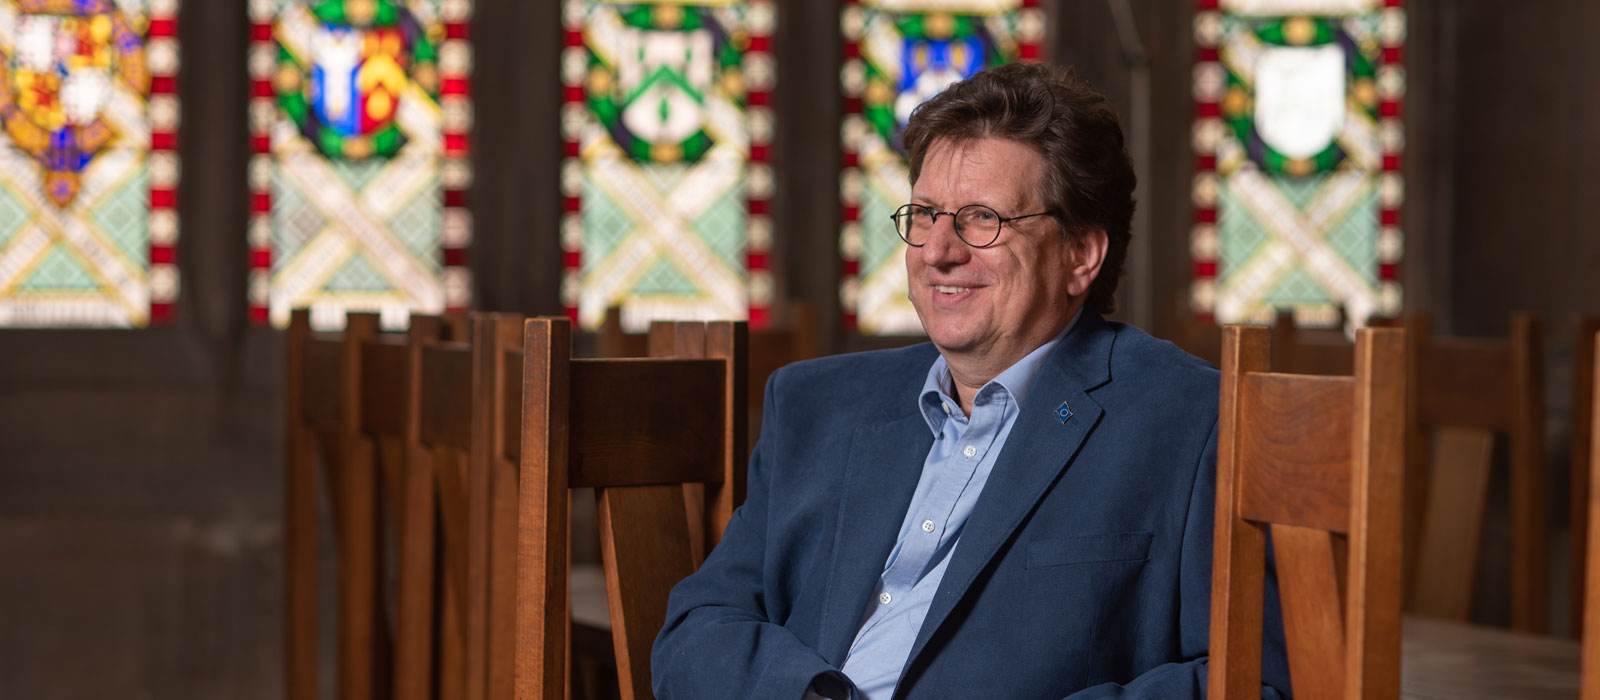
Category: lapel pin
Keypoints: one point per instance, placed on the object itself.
(1063, 411)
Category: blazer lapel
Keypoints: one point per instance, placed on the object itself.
(1040, 447)
(885, 464)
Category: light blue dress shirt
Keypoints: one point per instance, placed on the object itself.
(954, 473)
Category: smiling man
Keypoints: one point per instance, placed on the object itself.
(1021, 508)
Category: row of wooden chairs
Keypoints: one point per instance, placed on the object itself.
(1463, 396)
(483, 455)
(449, 453)
(475, 459)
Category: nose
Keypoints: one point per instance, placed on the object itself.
(944, 246)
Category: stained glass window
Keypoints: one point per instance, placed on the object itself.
(88, 162)
(1298, 141)
(668, 125)
(899, 53)
(360, 115)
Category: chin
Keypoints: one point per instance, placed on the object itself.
(951, 340)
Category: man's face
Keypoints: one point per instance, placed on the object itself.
(994, 304)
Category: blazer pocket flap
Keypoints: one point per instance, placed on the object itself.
(1088, 549)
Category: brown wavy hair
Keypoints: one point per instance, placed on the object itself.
(1089, 180)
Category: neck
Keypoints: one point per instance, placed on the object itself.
(968, 380)
(969, 371)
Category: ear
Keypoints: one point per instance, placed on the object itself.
(1089, 252)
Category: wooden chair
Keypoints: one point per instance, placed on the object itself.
(346, 401)
(637, 431)
(1465, 392)
(1317, 461)
(1583, 374)
(1590, 598)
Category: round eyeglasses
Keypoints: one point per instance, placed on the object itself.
(977, 225)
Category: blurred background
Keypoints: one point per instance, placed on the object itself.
(176, 177)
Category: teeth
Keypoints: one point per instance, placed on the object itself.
(944, 289)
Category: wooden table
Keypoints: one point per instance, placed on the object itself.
(1454, 661)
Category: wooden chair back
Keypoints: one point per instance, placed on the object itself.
(1464, 393)
(1583, 393)
(1590, 673)
(612, 341)
(1310, 350)
(637, 431)
(770, 348)
(346, 401)
(1317, 462)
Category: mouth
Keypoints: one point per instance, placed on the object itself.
(951, 296)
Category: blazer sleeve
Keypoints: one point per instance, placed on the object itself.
(1185, 680)
(718, 641)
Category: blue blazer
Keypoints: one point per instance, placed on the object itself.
(1083, 572)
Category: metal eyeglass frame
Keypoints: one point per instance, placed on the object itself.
(906, 210)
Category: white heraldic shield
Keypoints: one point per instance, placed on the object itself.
(1300, 98)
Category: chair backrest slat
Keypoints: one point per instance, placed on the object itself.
(1465, 383)
(1458, 495)
(446, 384)
(322, 372)
(1291, 460)
(1308, 585)
(642, 563)
(383, 407)
(652, 451)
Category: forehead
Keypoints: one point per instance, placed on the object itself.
(986, 171)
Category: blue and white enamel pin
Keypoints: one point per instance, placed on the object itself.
(1063, 411)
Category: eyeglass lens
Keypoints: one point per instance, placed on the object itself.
(976, 224)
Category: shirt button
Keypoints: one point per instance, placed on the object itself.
(884, 597)
(970, 451)
(946, 407)
(927, 526)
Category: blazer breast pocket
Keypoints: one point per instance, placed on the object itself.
(1089, 549)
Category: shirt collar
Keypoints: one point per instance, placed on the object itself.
(937, 398)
